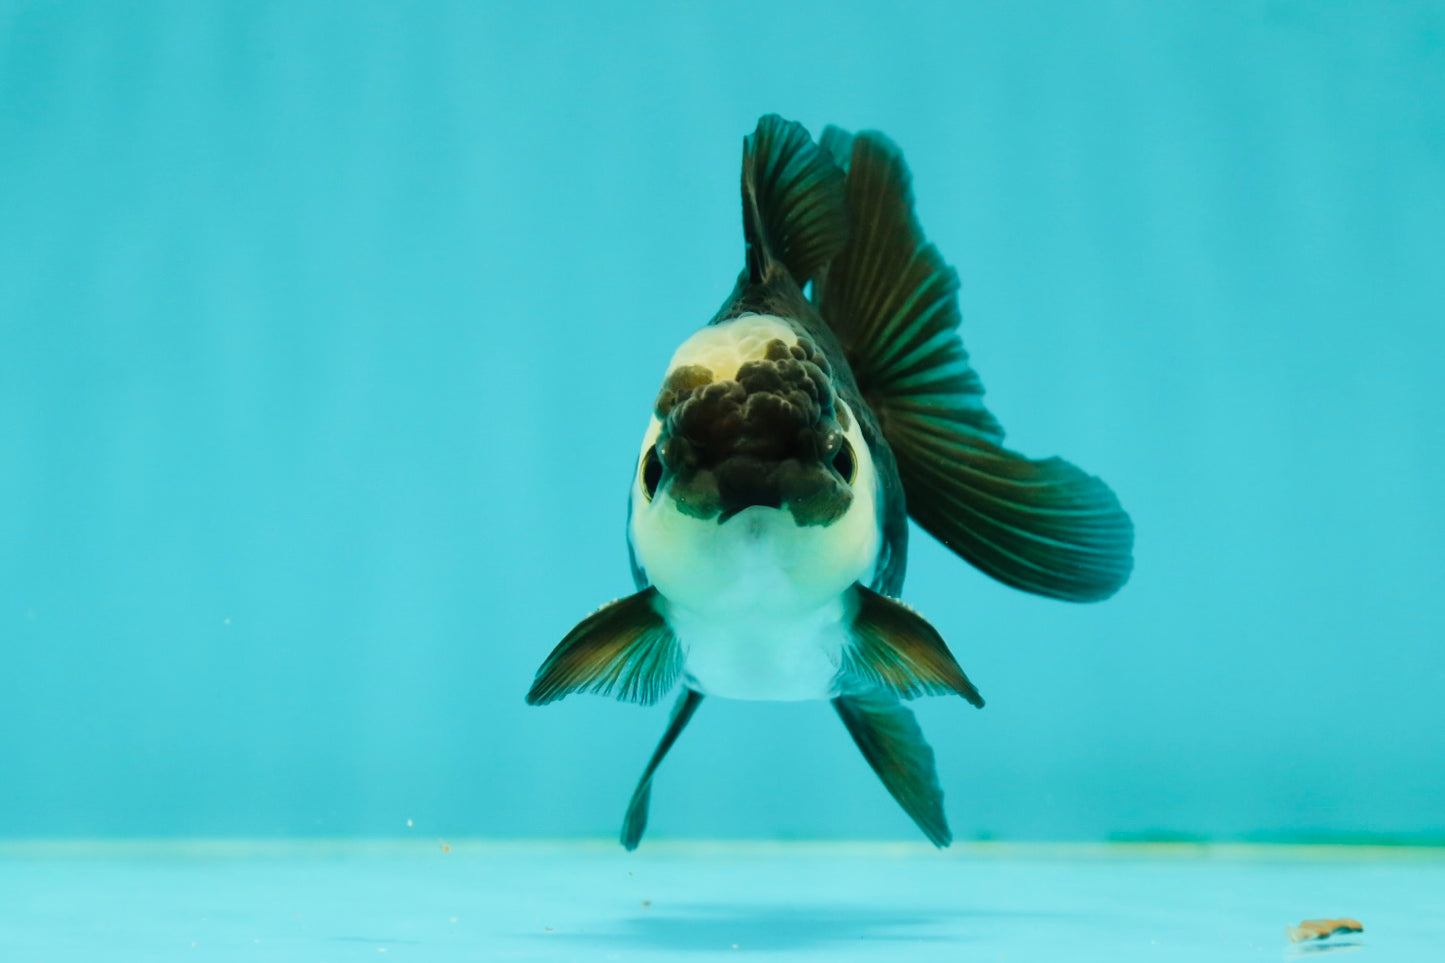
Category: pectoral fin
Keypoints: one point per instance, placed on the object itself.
(625, 649)
(895, 649)
(635, 822)
(891, 741)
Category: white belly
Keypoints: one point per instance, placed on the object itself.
(757, 607)
(782, 658)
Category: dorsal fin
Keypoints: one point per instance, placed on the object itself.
(793, 209)
(1041, 526)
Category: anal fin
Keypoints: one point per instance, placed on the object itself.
(635, 822)
(889, 738)
(625, 649)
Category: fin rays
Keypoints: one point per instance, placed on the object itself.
(890, 296)
(793, 209)
(635, 822)
(624, 649)
(1041, 526)
(890, 740)
(895, 649)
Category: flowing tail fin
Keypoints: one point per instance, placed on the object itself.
(1043, 526)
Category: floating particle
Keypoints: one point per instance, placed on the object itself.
(1322, 929)
(446, 848)
(647, 904)
(409, 824)
(453, 919)
(547, 929)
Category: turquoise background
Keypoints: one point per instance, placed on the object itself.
(328, 334)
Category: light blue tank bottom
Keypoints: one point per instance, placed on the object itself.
(483, 900)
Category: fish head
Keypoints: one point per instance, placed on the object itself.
(749, 431)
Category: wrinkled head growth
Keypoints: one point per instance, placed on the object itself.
(754, 481)
(768, 433)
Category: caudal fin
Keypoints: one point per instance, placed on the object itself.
(1043, 526)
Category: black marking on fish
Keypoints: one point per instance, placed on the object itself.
(763, 438)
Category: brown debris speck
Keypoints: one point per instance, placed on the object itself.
(1322, 929)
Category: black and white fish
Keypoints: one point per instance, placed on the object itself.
(793, 437)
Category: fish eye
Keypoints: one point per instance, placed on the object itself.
(844, 463)
(651, 472)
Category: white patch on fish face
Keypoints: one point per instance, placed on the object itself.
(756, 601)
(724, 348)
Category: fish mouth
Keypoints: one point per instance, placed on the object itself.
(729, 511)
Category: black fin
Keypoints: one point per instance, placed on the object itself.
(635, 822)
(624, 649)
(837, 143)
(1042, 526)
(793, 209)
(894, 746)
(895, 649)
